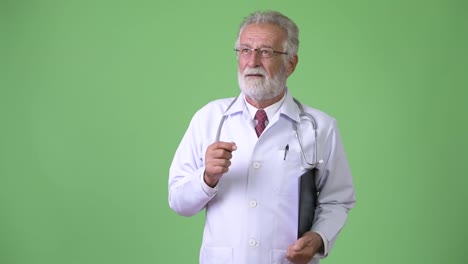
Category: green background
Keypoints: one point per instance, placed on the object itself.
(95, 96)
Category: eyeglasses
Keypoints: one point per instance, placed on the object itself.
(263, 52)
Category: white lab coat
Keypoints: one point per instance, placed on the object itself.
(252, 214)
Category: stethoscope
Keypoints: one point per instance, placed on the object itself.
(302, 114)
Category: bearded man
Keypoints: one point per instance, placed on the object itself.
(241, 160)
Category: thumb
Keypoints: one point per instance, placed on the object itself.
(300, 244)
(234, 146)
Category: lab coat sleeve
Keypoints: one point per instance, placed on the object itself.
(188, 194)
(336, 190)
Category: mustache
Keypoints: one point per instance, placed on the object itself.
(249, 71)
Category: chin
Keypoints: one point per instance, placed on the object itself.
(261, 89)
(260, 93)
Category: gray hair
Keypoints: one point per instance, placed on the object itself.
(291, 44)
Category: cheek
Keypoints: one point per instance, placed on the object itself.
(241, 65)
(273, 69)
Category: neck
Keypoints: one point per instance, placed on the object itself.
(264, 103)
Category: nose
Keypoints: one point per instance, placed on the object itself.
(254, 59)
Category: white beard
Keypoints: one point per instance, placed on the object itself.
(261, 89)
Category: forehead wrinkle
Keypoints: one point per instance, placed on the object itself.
(262, 35)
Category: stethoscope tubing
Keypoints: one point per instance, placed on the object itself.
(298, 135)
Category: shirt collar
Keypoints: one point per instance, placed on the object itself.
(286, 106)
(270, 110)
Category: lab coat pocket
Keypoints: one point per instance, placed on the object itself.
(216, 255)
(287, 173)
(278, 257)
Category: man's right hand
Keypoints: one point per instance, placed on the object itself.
(217, 161)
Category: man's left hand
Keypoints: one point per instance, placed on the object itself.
(302, 251)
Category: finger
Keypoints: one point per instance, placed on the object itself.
(228, 146)
(219, 163)
(215, 171)
(218, 154)
(292, 255)
(300, 244)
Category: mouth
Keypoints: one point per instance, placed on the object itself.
(254, 75)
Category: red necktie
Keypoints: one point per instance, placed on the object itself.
(261, 118)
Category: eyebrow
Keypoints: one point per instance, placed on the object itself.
(248, 46)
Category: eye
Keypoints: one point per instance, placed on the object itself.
(266, 52)
(245, 51)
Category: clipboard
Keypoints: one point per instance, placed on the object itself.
(307, 201)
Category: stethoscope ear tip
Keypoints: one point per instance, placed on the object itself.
(320, 161)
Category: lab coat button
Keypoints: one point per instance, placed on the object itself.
(252, 242)
(256, 165)
(253, 203)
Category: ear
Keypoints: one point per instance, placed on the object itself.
(291, 65)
